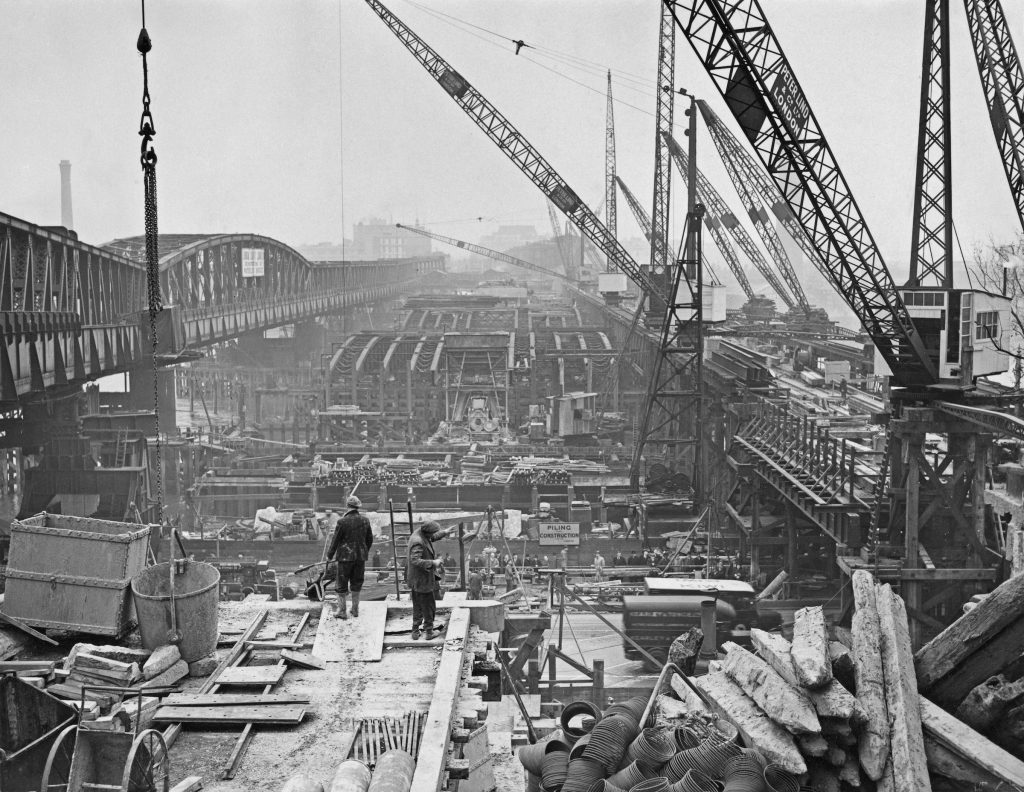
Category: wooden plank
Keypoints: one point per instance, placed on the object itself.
(785, 704)
(405, 642)
(758, 730)
(9, 666)
(303, 660)
(26, 629)
(874, 740)
(960, 739)
(809, 649)
(950, 651)
(286, 714)
(274, 645)
(430, 766)
(359, 638)
(910, 765)
(190, 784)
(171, 732)
(251, 675)
(237, 699)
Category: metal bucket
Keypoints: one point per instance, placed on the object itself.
(195, 607)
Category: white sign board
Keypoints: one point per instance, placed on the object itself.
(252, 262)
(558, 533)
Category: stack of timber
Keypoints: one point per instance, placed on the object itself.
(851, 716)
(90, 670)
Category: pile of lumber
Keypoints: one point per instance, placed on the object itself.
(84, 669)
(849, 715)
(974, 669)
(787, 702)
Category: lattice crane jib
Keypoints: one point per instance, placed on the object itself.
(735, 43)
(664, 116)
(517, 148)
(719, 218)
(610, 196)
(931, 246)
(766, 231)
(564, 253)
(642, 218)
(485, 251)
(1002, 79)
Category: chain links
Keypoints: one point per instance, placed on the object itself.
(147, 158)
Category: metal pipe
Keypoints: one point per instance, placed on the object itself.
(393, 773)
(351, 776)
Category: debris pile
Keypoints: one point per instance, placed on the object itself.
(850, 717)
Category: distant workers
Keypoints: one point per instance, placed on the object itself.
(423, 575)
(350, 546)
(510, 575)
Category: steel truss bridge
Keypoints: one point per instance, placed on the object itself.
(71, 312)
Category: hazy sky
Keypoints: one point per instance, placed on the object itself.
(251, 136)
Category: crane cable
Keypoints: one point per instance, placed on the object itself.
(147, 158)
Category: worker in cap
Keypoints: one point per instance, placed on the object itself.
(350, 547)
(423, 574)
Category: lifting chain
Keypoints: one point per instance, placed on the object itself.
(147, 130)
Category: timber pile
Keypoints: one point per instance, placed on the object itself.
(974, 668)
(876, 731)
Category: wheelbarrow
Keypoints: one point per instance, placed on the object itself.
(30, 721)
(84, 759)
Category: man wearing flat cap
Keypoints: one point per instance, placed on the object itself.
(350, 545)
(423, 574)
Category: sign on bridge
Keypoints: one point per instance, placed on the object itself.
(252, 262)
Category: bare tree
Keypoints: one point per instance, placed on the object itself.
(998, 268)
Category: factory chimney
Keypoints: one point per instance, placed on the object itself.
(66, 218)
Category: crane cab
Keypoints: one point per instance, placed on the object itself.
(962, 330)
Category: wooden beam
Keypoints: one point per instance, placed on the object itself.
(433, 754)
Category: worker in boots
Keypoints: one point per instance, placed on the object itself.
(423, 575)
(350, 546)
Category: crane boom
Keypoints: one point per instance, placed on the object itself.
(610, 202)
(719, 216)
(765, 231)
(642, 218)
(663, 115)
(518, 149)
(751, 174)
(564, 252)
(1003, 81)
(485, 251)
(743, 57)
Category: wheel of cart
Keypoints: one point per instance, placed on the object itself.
(30, 721)
(85, 759)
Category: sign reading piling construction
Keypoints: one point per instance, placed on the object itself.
(558, 533)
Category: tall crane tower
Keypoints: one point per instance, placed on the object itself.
(663, 117)
(936, 340)
(610, 203)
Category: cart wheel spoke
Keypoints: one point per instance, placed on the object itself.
(57, 770)
(147, 768)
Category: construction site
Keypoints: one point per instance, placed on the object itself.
(701, 496)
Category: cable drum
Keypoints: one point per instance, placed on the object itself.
(653, 747)
(574, 710)
(604, 786)
(632, 774)
(532, 756)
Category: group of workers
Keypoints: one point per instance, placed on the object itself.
(350, 547)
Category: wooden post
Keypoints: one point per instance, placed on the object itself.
(552, 662)
(755, 529)
(394, 549)
(911, 537)
(599, 683)
(533, 675)
(791, 565)
(462, 560)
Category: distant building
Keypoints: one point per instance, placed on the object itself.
(374, 239)
(507, 237)
(328, 251)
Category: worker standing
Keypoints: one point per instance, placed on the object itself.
(510, 575)
(476, 585)
(423, 573)
(599, 567)
(350, 546)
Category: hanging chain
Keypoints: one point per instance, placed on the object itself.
(147, 130)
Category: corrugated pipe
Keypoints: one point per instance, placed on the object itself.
(302, 783)
(351, 776)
